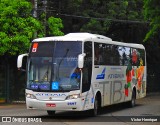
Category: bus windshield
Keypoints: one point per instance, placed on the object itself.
(53, 66)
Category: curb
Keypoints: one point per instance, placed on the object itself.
(153, 94)
(18, 102)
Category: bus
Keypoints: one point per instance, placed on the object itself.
(83, 71)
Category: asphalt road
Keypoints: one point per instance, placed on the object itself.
(147, 108)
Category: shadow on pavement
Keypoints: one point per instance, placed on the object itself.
(86, 116)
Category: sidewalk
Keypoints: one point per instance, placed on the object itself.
(153, 93)
(12, 106)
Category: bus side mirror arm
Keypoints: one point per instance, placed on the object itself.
(19, 61)
(81, 60)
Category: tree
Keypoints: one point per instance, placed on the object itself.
(152, 41)
(18, 26)
(152, 14)
(112, 18)
(55, 24)
(45, 14)
(113, 15)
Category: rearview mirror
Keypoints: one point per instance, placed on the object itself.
(19, 61)
(81, 60)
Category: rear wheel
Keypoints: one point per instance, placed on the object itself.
(133, 99)
(51, 113)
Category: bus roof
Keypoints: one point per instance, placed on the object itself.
(73, 37)
(134, 45)
(87, 37)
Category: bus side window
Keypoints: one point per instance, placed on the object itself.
(87, 69)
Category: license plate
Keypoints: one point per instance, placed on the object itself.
(51, 105)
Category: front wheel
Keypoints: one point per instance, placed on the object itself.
(95, 110)
(51, 113)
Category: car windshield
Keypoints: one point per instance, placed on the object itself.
(54, 68)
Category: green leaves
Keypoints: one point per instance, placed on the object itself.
(96, 27)
(55, 24)
(152, 14)
(93, 14)
(18, 27)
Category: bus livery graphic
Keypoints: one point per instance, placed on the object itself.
(102, 75)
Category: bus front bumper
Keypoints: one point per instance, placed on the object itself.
(66, 105)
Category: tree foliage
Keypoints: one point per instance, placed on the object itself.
(112, 10)
(152, 14)
(55, 25)
(100, 16)
(18, 26)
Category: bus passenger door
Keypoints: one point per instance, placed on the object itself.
(86, 77)
(87, 69)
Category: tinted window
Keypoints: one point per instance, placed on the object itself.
(108, 54)
(138, 57)
(125, 55)
(42, 49)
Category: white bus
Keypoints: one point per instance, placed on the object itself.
(83, 71)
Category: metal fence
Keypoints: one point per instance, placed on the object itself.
(2, 83)
(12, 83)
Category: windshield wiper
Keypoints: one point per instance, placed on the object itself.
(61, 62)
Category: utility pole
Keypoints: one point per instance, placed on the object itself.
(35, 9)
(45, 18)
(35, 4)
(35, 14)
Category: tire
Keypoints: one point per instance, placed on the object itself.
(95, 110)
(133, 99)
(51, 113)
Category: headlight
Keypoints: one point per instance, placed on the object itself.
(75, 96)
(28, 95)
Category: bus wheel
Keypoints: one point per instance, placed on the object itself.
(133, 99)
(96, 107)
(51, 113)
